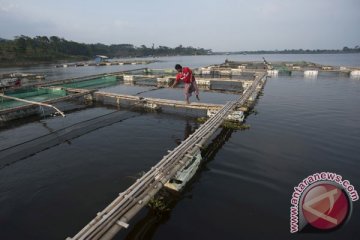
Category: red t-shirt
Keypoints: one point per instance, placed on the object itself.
(186, 75)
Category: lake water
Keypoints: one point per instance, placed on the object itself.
(243, 191)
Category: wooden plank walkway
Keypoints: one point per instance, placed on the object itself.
(118, 214)
(105, 97)
(166, 102)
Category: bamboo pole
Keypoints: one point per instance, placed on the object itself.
(32, 102)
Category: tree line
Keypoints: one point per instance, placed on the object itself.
(24, 50)
(42, 48)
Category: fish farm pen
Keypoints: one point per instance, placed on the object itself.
(78, 106)
(136, 88)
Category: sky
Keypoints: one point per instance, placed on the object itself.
(220, 25)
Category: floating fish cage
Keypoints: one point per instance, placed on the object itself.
(355, 74)
(144, 89)
(282, 71)
(93, 83)
(24, 102)
(159, 71)
(33, 94)
(225, 72)
(145, 80)
(228, 86)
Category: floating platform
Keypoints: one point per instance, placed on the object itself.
(307, 69)
(87, 89)
(9, 80)
(156, 104)
(21, 103)
(174, 169)
(106, 63)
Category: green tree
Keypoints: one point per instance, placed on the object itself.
(20, 44)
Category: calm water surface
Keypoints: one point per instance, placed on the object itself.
(301, 126)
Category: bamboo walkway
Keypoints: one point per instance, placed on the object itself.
(116, 100)
(117, 215)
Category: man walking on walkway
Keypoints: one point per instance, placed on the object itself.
(185, 74)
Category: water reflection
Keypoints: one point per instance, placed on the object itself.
(189, 129)
(355, 77)
(310, 77)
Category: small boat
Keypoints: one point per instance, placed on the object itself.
(183, 176)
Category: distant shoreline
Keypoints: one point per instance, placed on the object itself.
(286, 52)
(27, 51)
(28, 63)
